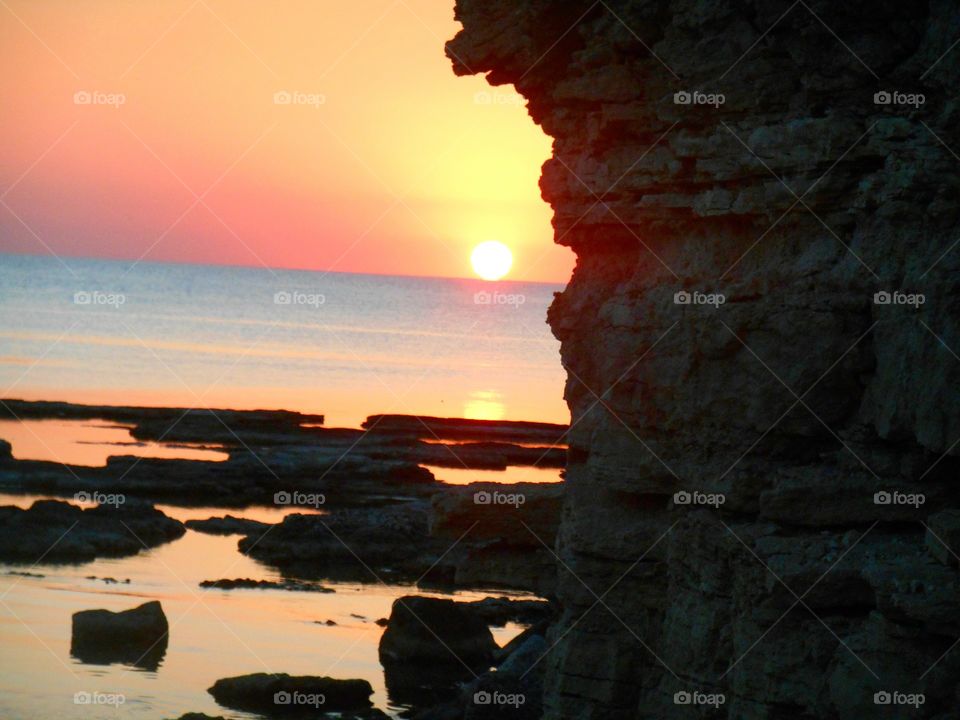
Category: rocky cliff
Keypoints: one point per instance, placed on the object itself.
(762, 344)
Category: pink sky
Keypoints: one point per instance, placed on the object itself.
(382, 162)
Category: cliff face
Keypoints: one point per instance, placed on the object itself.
(798, 195)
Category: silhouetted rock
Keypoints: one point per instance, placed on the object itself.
(720, 340)
(434, 633)
(227, 525)
(466, 429)
(59, 532)
(137, 636)
(280, 695)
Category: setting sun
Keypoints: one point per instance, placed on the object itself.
(491, 260)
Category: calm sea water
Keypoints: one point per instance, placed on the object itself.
(345, 345)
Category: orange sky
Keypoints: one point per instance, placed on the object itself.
(383, 162)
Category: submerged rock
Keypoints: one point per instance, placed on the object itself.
(248, 584)
(227, 525)
(137, 636)
(285, 695)
(59, 532)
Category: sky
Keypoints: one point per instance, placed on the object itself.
(295, 134)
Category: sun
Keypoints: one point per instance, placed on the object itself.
(491, 259)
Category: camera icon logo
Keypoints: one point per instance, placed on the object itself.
(682, 98)
(482, 498)
(282, 97)
(482, 697)
(282, 498)
(882, 98)
(682, 297)
(682, 498)
(882, 498)
(682, 697)
(282, 698)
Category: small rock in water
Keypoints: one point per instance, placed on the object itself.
(138, 636)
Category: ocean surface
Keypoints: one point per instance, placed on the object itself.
(344, 345)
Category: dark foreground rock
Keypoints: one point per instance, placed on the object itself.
(511, 691)
(249, 584)
(435, 630)
(430, 645)
(137, 636)
(54, 531)
(280, 695)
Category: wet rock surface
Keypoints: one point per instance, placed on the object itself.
(138, 636)
(819, 403)
(60, 532)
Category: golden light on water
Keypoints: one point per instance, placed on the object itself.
(491, 260)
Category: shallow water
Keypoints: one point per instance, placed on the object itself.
(213, 633)
(91, 442)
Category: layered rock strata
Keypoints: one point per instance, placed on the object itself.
(762, 348)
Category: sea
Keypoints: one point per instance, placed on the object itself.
(338, 344)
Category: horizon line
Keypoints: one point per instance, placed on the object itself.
(261, 266)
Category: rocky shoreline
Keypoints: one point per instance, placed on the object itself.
(374, 516)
